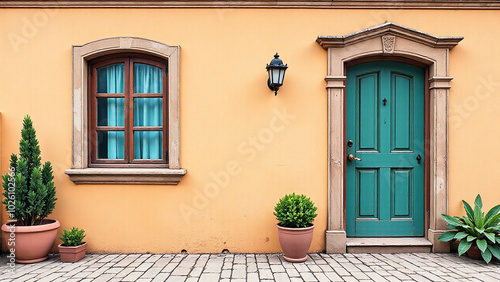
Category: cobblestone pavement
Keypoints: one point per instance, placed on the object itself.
(256, 267)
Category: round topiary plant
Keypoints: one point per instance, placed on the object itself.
(295, 211)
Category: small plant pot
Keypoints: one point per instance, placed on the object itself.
(295, 242)
(32, 243)
(474, 252)
(72, 253)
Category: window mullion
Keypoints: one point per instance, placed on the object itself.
(130, 121)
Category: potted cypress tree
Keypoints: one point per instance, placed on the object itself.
(295, 214)
(29, 193)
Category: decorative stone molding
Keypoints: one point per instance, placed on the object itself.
(80, 171)
(429, 50)
(231, 4)
(125, 175)
(388, 42)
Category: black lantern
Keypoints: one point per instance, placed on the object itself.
(276, 71)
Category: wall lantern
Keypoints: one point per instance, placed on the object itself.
(276, 71)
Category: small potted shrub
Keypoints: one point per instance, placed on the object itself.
(479, 234)
(295, 214)
(72, 249)
(29, 193)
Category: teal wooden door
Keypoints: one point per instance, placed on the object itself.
(385, 129)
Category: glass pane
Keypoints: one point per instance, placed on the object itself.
(148, 145)
(148, 112)
(275, 76)
(110, 111)
(111, 79)
(147, 79)
(110, 144)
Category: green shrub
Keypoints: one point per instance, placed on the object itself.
(296, 211)
(34, 195)
(483, 230)
(72, 237)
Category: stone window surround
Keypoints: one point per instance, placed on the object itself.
(80, 173)
(430, 50)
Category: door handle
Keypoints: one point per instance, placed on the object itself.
(419, 158)
(351, 158)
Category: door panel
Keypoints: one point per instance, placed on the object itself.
(385, 119)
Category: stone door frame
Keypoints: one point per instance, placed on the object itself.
(391, 40)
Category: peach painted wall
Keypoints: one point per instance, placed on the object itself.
(225, 107)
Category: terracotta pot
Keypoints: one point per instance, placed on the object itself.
(32, 243)
(72, 253)
(295, 242)
(474, 252)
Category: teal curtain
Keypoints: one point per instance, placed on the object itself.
(111, 112)
(148, 112)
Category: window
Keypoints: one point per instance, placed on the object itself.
(127, 112)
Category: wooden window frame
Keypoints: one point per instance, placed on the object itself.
(128, 59)
(82, 171)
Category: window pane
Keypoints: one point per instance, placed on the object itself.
(147, 79)
(148, 145)
(110, 144)
(148, 112)
(111, 79)
(110, 111)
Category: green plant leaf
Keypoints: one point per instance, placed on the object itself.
(463, 247)
(495, 250)
(451, 220)
(492, 212)
(460, 235)
(447, 236)
(482, 244)
(468, 210)
(478, 216)
(498, 240)
(478, 202)
(471, 238)
(490, 236)
(480, 231)
(486, 256)
(492, 221)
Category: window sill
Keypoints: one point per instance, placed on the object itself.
(126, 175)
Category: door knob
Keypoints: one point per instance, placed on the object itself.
(351, 158)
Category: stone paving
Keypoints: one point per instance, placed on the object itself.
(256, 267)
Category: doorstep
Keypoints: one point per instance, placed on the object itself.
(389, 245)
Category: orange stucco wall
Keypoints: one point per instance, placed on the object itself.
(225, 107)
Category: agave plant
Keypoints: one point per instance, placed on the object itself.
(475, 228)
